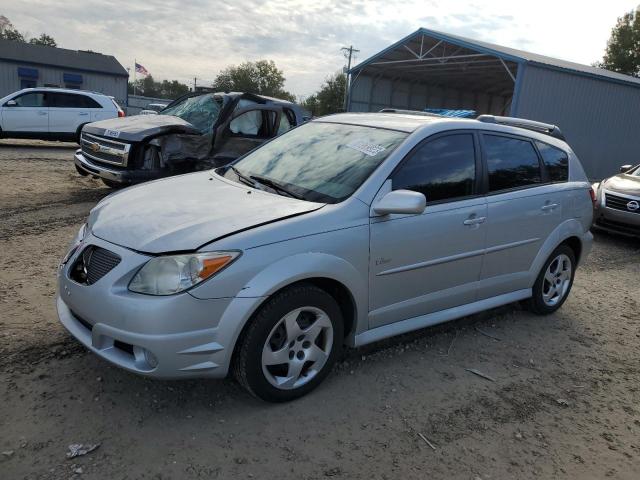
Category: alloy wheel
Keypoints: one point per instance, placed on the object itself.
(297, 348)
(557, 280)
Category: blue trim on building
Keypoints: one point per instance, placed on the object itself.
(72, 78)
(24, 72)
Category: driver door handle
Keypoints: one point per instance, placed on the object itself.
(473, 220)
(549, 207)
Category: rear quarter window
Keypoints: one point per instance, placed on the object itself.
(556, 161)
(511, 163)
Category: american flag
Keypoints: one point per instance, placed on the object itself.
(141, 69)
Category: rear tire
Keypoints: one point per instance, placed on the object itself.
(554, 282)
(291, 344)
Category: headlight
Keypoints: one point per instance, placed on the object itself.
(75, 243)
(175, 273)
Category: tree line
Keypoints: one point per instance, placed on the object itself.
(9, 32)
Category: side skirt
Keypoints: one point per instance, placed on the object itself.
(435, 318)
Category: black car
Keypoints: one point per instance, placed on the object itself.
(195, 132)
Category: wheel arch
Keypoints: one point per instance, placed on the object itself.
(333, 274)
(571, 233)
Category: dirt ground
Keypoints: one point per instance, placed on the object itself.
(564, 401)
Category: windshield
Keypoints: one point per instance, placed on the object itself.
(201, 111)
(323, 162)
(636, 172)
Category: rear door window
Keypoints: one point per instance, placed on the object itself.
(70, 100)
(511, 163)
(556, 162)
(442, 169)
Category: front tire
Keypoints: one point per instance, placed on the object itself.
(554, 281)
(291, 344)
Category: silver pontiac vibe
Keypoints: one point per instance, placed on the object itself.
(344, 231)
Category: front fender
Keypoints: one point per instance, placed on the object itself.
(287, 271)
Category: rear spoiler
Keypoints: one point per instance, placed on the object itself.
(546, 128)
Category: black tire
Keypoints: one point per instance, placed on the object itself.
(78, 133)
(111, 183)
(537, 302)
(81, 171)
(247, 363)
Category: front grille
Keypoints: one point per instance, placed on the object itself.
(103, 150)
(93, 264)
(619, 203)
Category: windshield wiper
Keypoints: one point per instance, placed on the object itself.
(276, 186)
(245, 179)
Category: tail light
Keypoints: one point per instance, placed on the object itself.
(592, 194)
(121, 113)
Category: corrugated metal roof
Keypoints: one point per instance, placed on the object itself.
(21, 52)
(508, 53)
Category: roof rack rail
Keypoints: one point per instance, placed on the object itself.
(546, 128)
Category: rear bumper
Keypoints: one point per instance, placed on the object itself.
(122, 176)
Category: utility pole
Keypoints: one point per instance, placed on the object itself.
(195, 83)
(348, 53)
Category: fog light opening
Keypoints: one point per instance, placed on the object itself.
(150, 358)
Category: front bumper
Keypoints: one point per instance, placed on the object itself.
(177, 336)
(616, 220)
(113, 174)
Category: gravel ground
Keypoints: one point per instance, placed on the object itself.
(564, 401)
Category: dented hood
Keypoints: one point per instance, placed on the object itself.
(186, 212)
(140, 127)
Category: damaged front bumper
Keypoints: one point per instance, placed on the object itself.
(121, 176)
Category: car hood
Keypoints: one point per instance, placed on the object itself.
(140, 127)
(623, 184)
(186, 212)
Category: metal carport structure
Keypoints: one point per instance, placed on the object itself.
(598, 110)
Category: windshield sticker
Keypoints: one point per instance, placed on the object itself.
(112, 133)
(367, 148)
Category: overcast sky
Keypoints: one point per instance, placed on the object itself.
(180, 39)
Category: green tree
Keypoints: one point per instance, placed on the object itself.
(8, 31)
(148, 87)
(623, 48)
(262, 77)
(44, 39)
(330, 97)
(173, 89)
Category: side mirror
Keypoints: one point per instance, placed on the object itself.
(401, 201)
(11, 103)
(625, 168)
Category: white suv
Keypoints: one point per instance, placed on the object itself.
(53, 113)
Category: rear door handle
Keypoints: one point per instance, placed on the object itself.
(42, 113)
(549, 207)
(84, 114)
(474, 220)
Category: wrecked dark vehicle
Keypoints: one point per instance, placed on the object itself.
(195, 132)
